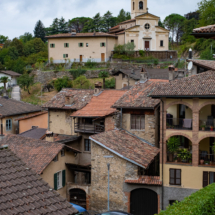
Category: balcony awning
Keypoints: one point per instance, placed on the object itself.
(79, 168)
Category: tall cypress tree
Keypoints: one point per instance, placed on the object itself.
(39, 31)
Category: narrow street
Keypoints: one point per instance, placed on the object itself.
(16, 93)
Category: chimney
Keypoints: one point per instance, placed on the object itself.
(171, 72)
(69, 100)
(73, 32)
(143, 76)
(190, 53)
(98, 87)
(49, 136)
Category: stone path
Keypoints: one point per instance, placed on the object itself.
(16, 93)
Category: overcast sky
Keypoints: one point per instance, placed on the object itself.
(20, 16)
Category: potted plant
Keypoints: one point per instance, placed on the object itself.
(203, 127)
(212, 128)
(185, 155)
(206, 162)
(175, 159)
(172, 145)
(202, 161)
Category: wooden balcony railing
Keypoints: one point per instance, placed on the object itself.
(86, 128)
(177, 123)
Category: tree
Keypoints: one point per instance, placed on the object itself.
(4, 80)
(129, 49)
(61, 83)
(174, 23)
(207, 15)
(25, 81)
(160, 24)
(78, 23)
(110, 84)
(103, 75)
(13, 53)
(39, 31)
(108, 21)
(81, 83)
(123, 16)
(18, 45)
(3, 39)
(26, 37)
(63, 26)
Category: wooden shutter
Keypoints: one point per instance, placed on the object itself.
(178, 177)
(53, 45)
(64, 45)
(205, 179)
(133, 122)
(50, 45)
(100, 44)
(63, 178)
(55, 181)
(172, 177)
(63, 55)
(138, 122)
(104, 44)
(68, 45)
(142, 122)
(79, 44)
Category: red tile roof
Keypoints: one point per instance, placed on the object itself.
(127, 146)
(32, 116)
(149, 180)
(205, 29)
(81, 98)
(208, 64)
(23, 192)
(137, 96)
(201, 85)
(100, 105)
(37, 154)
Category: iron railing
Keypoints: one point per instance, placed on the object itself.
(87, 128)
(177, 123)
(207, 125)
(175, 158)
(206, 159)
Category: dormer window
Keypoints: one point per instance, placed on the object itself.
(141, 5)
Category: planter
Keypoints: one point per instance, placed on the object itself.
(201, 162)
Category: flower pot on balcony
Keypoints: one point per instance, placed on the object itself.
(212, 128)
(202, 162)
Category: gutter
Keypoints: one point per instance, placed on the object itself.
(182, 96)
(162, 139)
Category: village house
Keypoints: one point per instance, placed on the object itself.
(23, 192)
(207, 32)
(142, 30)
(10, 110)
(12, 76)
(47, 159)
(187, 114)
(35, 133)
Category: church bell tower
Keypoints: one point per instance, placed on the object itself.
(138, 7)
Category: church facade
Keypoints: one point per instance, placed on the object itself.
(142, 30)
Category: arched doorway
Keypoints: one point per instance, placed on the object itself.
(78, 197)
(144, 201)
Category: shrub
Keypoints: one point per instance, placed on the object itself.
(206, 55)
(156, 61)
(77, 73)
(61, 83)
(81, 82)
(90, 64)
(110, 84)
(142, 53)
(119, 49)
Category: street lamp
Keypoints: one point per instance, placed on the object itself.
(108, 165)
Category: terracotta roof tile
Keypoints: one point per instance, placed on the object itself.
(24, 192)
(209, 64)
(100, 105)
(149, 180)
(127, 21)
(137, 96)
(35, 133)
(197, 85)
(81, 98)
(32, 115)
(9, 72)
(37, 154)
(128, 146)
(205, 29)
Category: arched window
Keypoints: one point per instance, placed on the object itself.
(133, 5)
(141, 5)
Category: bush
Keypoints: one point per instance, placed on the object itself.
(156, 61)
(61, 83)
(77, 73)
(110, 84)
(142, 53)
(90, 64)
(206, 55)
(199, 203)
(81, 83)
(119, 49)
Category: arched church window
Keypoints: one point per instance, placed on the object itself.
(133, 5)
(147, 26)
(141, 5)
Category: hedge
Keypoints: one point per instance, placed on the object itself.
(200, 203)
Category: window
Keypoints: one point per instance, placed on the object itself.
(102, 44)
(87, 45)
(65, 55)
(87, 145)
(62, 152)
(55, 159)
(52, 45)
(66, 45)
(59, 179)
(141, 171)
(175, 177)
(133, 5)
(208, 178)
(80, 44)
(137, 122)
(88, 178)
(132, 41)
(123, 76)
(8, 125)
(147, 26)
(141, 5)
(161, 43)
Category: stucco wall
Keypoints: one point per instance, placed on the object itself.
(93, 51)
(54, 167)
(121, 39)
(13, 80)
(120, 81)
(61, 122)
(135, 11)
(41, 121)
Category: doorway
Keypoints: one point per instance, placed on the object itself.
(78, 197)
(102, 57)
(144, 201)
(81, 58)
(147, 45)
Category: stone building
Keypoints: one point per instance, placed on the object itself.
(188, 113)
(131, 189)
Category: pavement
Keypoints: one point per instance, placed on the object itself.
(16, 93)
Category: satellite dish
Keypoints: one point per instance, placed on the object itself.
(190, 66)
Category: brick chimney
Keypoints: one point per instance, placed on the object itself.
(73, 32)
(49, 136)
(69, 100)
(98, 87)
(171, 72)
(143, 76)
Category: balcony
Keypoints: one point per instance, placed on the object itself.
(88, 128)
(179, 123)
(207, 125)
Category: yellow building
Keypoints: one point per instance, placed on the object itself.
(142, 30)
(188, 114)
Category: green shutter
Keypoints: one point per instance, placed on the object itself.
(63, 55)
(64, 45)
(68, 45)
(104, 44)
(54, 46)
(63, 178)
(100, 44)
(79, 45)
(50, 45)
(55, 181)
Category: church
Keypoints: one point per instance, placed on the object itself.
(142, 30)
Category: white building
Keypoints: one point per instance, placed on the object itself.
(12, 77)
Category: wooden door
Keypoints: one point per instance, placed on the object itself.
(81, 58)
(147, 45)
(78, 197)
(103, 57)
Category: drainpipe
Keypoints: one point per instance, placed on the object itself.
(162, 139)
(48, 119)
(1, 128)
